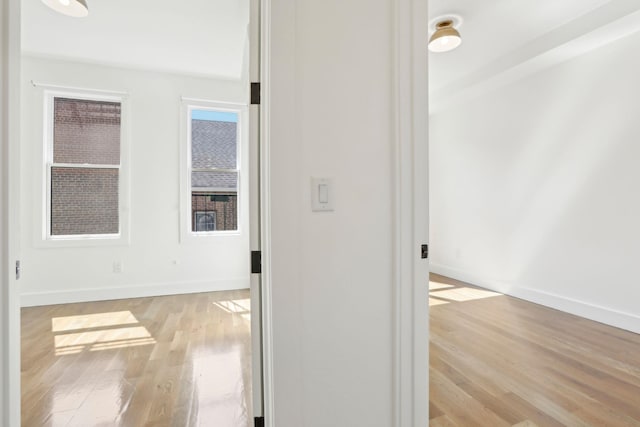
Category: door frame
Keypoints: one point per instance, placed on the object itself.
(411, 214)
(10, 214)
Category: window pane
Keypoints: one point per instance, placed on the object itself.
(86, 132)
(215, 192)
(214, 211)
(213, 142)
(214, 181)
(84, 201)
(204, 221)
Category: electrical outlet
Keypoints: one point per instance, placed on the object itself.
(117, 267)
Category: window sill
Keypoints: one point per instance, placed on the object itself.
(207, 237)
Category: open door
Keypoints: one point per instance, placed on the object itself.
(255, 217)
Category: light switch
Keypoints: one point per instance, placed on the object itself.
(321, 195)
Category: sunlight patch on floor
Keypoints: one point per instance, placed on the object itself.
(236, 306)
(444, 293)
(436, 301)
(98, 331)
(464, 294)
(434, 286)
(95, 320)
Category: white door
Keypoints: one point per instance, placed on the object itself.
(254, 209)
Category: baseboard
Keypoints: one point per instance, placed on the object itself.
(605, 315)
(454, 273)
(32, 299)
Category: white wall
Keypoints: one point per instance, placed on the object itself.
(330, 291)
(332, 273)
(155, 261)
(534, 187)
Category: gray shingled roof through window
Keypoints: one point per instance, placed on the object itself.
(214, 145)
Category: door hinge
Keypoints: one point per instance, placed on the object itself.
(256, 262)
(258, 421)
(18, 270)
(424, 251)
(255, 93)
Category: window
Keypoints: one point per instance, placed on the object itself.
(205, 221)
(213, 169)
(83, 166)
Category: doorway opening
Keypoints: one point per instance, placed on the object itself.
(137, 214)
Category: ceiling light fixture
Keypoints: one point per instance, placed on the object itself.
(445, 37)
(75, 8)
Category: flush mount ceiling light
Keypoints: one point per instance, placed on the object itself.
(75, 8)
(445, 37)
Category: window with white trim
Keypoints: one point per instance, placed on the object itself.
(213, 170)
(83, 166)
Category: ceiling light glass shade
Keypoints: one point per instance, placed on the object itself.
(445, 38)
(75, 8)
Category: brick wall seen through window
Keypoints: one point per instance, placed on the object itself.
(85, 168)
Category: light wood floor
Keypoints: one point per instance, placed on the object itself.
(163, 361)
(500, 361)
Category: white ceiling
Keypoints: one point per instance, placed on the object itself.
(504, 40)
(209, 37)
(198, 37)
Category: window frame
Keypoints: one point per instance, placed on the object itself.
(122, 237)
(186, 168)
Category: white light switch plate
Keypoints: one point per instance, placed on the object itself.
(321, 195)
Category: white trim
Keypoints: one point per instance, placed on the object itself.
(410, 220)
(32, 299)
(10, 416)
(84, 166)
(265, 214)
(5, 328)
(598, 313)
(217, 190)
(187, 105)
(44, 239)
(214, 170)
(65, 89)
(418, 96)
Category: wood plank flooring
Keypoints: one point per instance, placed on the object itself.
(181, 360)
(185, 361)
(500, 361)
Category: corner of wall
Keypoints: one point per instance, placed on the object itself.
(605, 315)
